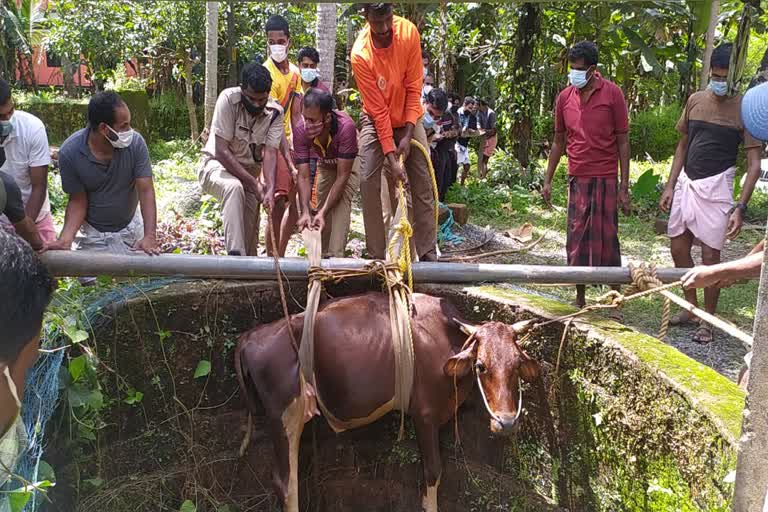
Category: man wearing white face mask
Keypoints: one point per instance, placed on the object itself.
(25, 291)
(591, 121)
(25, 157)
(106, 171)
(286, 90)
(700, 199)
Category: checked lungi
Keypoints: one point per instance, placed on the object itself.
(593, 222)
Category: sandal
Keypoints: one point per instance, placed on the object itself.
(683, 318)
(704, 334)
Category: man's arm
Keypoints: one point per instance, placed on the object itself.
(724, 274)
(226, 158)
(343, 170)
(305, 196)
(414, 83)
(14, 210)
(39, 159)
(285, 151)
(38, 177)
(146, 191)
(74, 216)
(558, 148)
(665, 203)
(622, 140)
(736, 220)
(27, 229)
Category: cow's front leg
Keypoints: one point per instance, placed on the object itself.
(429, 444)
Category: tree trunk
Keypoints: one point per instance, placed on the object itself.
(443, 61)
(528, 30)
(709, 46)
(348, 53)
(189, 82)
(232, 73)
(211, 59)
(68, 76)
(325, 37)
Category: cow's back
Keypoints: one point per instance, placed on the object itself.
(354, 357)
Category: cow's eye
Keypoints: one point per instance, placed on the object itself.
(480, 367)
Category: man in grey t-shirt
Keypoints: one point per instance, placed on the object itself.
(106, 171)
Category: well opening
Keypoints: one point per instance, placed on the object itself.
(627, 423)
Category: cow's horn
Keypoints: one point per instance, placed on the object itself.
(467, 329)
(522, 327)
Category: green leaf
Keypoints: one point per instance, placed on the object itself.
(188, 506)
(80, 396)
(651, 63)
(46, 472)
(646, 185)
(203, 369)
(74, 334)
(134, 397)
(17, 499)
(77, 367)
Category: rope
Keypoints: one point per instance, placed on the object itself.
(644, 283)
(279, 277)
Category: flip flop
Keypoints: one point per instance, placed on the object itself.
(704, 334)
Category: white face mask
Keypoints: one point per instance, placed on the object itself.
(578, 78)
(309, 75)
(278, 52)
(124, 139)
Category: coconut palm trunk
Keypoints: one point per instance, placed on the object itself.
(211, 59)
(325, 35)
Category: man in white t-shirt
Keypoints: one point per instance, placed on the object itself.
(24, 145)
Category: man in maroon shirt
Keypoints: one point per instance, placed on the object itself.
(592, 124)
(330, 138)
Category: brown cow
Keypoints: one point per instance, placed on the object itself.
(355, 376)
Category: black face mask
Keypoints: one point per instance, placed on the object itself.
(250, 107)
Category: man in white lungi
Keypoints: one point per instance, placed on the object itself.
(700, 199)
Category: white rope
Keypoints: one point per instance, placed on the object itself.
(488, 407)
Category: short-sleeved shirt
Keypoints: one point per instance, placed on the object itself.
(110, 187)
(342, 144)
(245, 134)
(26, 147)
(591, 128)
(715, 131)
(284, 86)
(11, 204)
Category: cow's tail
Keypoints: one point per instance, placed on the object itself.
(242, 374)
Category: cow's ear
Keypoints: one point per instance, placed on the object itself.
(467, 329)
(461, 364)
(529, 370)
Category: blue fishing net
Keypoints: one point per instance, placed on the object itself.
(445, 234)
(42, 393)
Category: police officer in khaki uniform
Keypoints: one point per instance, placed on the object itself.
(245, 136)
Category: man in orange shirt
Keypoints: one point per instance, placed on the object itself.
(387, 64)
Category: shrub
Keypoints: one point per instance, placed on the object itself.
(169, 118)
(652, 132)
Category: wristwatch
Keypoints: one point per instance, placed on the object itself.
(739, 206)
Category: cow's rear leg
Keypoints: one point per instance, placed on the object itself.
(427, 435)
(287, 467)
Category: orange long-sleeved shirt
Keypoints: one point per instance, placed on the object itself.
(390, 79)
